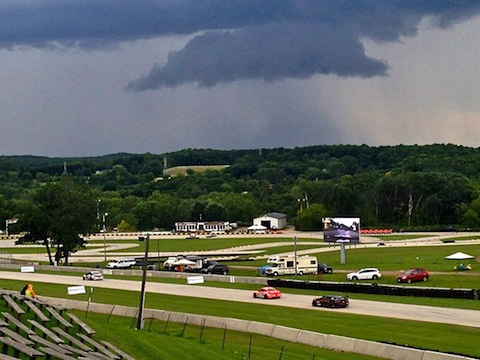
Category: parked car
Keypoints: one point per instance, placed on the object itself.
(216, 269)
(324, 268)
(267, 292)
(121, 264)
(414, 274)
(332, 301)
(205, 265)
(93, 275)
(365, 274)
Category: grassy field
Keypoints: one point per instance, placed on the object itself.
(395, 237)
(448, 338)
(175, 244)
(389, 259)
(182, 170)
(401, 258)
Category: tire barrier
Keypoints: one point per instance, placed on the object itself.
(378, 289)
(376, 231)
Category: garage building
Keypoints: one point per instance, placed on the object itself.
(273, 220)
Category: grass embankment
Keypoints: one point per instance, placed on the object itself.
(171, 341)
(448, 338)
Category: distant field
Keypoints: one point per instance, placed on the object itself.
(182, 170)
(402, 236)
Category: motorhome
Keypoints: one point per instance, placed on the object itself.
(285, 265)
(276, 258)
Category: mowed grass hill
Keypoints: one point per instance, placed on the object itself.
(183, 170)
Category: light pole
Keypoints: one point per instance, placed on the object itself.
(104, 237)
(98, 214)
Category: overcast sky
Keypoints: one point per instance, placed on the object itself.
(90, 78)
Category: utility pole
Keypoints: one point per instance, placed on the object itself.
(144, 280)
(295, 253)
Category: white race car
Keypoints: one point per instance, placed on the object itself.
(93, 275)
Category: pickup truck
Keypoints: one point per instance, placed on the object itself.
(121, 264)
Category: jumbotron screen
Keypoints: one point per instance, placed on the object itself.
(341, 229)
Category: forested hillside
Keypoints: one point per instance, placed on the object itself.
(402, 187)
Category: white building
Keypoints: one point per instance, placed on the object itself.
(273, 220)
(211, 226)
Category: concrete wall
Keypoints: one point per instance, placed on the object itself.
(326, 341)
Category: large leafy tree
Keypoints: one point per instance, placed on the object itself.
(310, 219)
(60, 214)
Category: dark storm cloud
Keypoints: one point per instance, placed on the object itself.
(84, 23)
(270, 52)
(235, 39)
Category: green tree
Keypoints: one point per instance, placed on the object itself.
(215, 211)
(61, 214)
(125, 227)
(310, 219)
(161, 211)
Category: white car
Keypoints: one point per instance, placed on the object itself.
(93, 275)
(121, 264)
(365, 274)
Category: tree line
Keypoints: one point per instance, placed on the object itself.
(430, 187)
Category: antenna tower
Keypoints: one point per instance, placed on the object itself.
(165, 166)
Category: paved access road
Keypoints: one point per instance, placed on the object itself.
(362, 307)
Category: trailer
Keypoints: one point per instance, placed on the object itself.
(285, 265)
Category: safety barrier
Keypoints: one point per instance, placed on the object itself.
(378, 289)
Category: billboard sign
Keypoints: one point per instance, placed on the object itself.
(341, 229)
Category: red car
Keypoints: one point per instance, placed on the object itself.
(415, 274)
(332, 301)
(267, 292)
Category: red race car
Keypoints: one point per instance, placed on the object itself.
(332, 301)
(267, 292)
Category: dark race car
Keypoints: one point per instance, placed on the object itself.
(332, 301)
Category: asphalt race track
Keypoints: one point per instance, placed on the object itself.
(460, 317)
